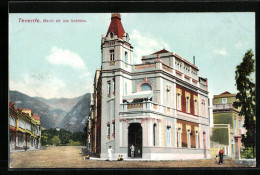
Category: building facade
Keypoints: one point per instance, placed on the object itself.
(24, 129)
(93, 124)
(159, 106)
(227, 123)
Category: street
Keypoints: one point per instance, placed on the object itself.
(71, 157)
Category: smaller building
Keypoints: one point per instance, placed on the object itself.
(226, 124)
(93, 124)
(24, 128)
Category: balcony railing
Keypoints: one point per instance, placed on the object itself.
(146, 106)
(223, 106)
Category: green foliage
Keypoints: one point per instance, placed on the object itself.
(44, 137)
(246, 98)
(62, 137)
(220, 135)
(55, 141)
(248, 153)
(72, 143)
(78, 136)
(223, 118)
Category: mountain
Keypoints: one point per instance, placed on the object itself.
(67, 113)
(65, 104)
(48, 115)
(75, 120)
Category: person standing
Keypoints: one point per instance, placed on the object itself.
(221, 152)
(132, 148)
(109, 153)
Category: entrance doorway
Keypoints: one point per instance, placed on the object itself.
(135, 137)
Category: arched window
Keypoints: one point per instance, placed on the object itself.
(145, 87)
(154, 131)
(111, 34)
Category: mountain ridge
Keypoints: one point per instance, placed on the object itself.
(53, 111)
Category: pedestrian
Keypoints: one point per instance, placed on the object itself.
(120, 158)
(221, 152)
(132, 148)
(217, 159)
(109, 153)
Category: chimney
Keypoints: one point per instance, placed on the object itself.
(194, 60)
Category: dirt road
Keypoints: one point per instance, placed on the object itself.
(71, 157)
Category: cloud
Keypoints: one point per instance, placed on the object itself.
(220, 51)
(145, 45)
(86, 74)
(65, 57)
(239, 45)
(48, 86)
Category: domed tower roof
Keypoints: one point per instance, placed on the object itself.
(116, 26)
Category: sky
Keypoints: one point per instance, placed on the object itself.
(59, 59)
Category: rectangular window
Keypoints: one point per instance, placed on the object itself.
(28, 126)
(195, 107)
(240, 124)
(114, 128)
(154, 130)
(108, 129)
(12, 121)
(179, 137)
(187, 104)
(21, 124)
(112, 55)
(178, 101)
(167, 97)
(188, 134)
(114, 86)
(108, 87)
(197, 140)
(235, 124)
(125, 88)
(126, 58)
(203, 108)
(224, 100)
(168, 134)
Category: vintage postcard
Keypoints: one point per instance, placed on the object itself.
(131, 90)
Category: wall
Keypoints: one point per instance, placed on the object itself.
(223, 118)
(184, 133)
(220, 135)
(219, 100)
(183, 99)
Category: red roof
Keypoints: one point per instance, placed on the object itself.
(11, 104)
(160, 51)
(36, 117)
(116, 26)
(225, 93)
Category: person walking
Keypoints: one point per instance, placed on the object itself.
(109, 153)
(221, 152)
(132, 148)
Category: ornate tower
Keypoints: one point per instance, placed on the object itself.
(117, 59)
(117, 52)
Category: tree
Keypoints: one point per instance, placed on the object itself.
(246, 98)
(64, 136)
(78, 136)
(55, 140)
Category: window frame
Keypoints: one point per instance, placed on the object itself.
(112, 55)
(168, 135)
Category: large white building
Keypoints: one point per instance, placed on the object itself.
(160, 106)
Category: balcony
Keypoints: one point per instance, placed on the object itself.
(146, 107)
(223, 106)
